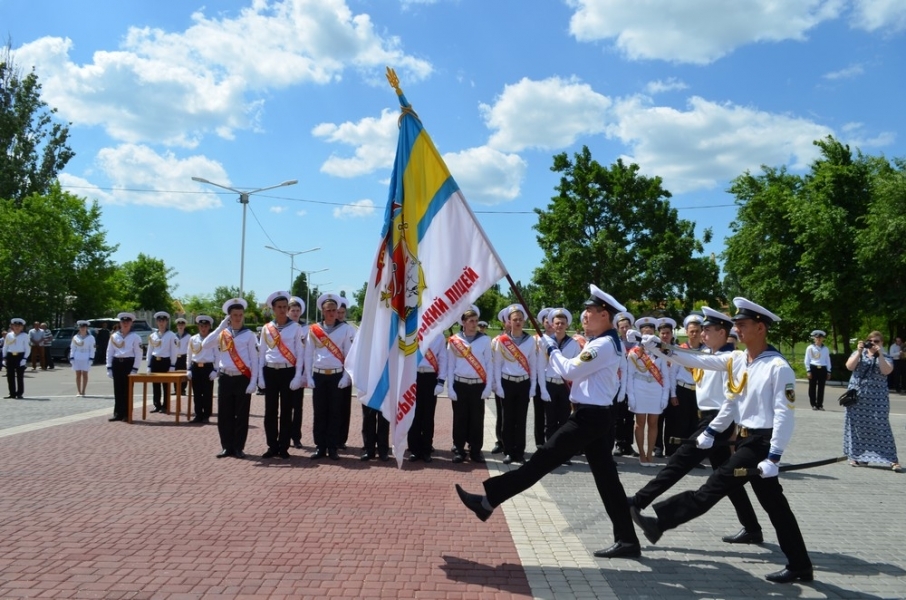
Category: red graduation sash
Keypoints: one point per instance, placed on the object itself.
(513, 349)
(649, 364)
(465, 351)
(327, 342)
(230, 347)
(432, 360)
(278, 342)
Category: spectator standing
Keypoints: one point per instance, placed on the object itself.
(36, 342)
(818, 369)
(898, 355)
(46, 343)
(101, 338)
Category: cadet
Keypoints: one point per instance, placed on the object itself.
(818, 368)
(515, 355)
(470, 363)
(202, 371)
(124, 357)
(346, 406)
(498, 398)
(429, 383)
(162, 349)
(625, 420)
(554, 390)
(681, 418)
(539, 406)
(182, 342)
(16, 349)
(81, 354)
(296, 308)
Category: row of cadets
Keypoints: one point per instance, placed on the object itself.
(429, 383)
(280, 374)
(202, 368)
(346, 406)
(681, 418)
(766, 388)
(328, 344)
(498, 398)
(625, 420)
(163, 346)
(16, 350)
(81, 355)
(124, 357)
(555, 389)
(471, 370)
(539, 406)
(515, 361)
(818, 369)
(647, 390)
(237, 376)
(296, 308)
(712, 389)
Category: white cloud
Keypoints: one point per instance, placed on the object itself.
(374, 141)
(485, 175)
(301, 213)
(872, 15)
(710, 143)
(175, 87)
(359, 208)
(856, 137)
(668, 85)
(695, 31)
(548, 114)
(847, 73)
(277, 209)
(84, 188)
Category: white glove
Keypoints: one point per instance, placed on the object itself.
(261, 384)
(251, 388)
(172, 369)
(499, 391)
(109, 373)
(705, 440)
(451, 392)
(768, 468)
(344, 381)
(548, 341)
(189, 375)
(487, 392)
(650, 342)
(438, 389)
(148, 368)
(296, 383)
(135, 371)
(22, 362)
(545, 396)
(213, 375)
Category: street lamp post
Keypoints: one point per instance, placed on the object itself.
(244, 200)
(292, 258)
(308, 275)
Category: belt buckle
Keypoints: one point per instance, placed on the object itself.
(199, 364)
(743, 432)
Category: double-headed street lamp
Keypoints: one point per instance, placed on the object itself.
(244, 200)
(292, 257)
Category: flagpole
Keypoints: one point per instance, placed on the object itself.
(530, 315)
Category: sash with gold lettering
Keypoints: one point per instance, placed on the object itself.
(327, 342)
(465, 351)
(228, 345)
(278, 342)
(513, 349)
(649, 364)
(432, 360)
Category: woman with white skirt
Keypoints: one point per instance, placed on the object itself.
(81, 355)
(647, 385)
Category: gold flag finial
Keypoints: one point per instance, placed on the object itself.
(394, 81)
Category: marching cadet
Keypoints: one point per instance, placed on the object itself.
(647, 391)
(539, 407)
(498, 398)
(471, 370)
(296, 308)
(280, 360)
(766, 389)
(554, 389)
(237, 370)
(515, 355)
(182, 340)
(625, 420)
(202, 362)
(818, 369)
(589, 429)
(162, 349)
(124, 357)
(712, 389)
(429, 383)
(16, 349)
(681, 418)
(342, 305)
(325, 354)
(81, 354)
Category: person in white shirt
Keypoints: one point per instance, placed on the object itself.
(898, 356)
(514, 358)
(817, 368)
(296, 308)
(429, 383)
(81, 354)
(554, 389)
(162, 349)
(182, 350)
(124, 357)
(202, 369)
(16, 349)
(647, 390)
(471, 371)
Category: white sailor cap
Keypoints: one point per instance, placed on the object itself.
(327, 298)
(17, 321)
(161, 314)
(625, 316)
(734, 333)
(818, 333)
(646, 322)
(344, 302)
(126, 316)
(472, 311)
(501, 315)
(82, 323)
(181, 320)
(297, 300)
(746, 309)
(278, 295)
(234, 303)
(204, 319)
(693, 318)
(713, 317)
(561, 312)
(582, 316)
(544, 313)
(482, 323)
(514, 308)
(666, 322)
(601, 298)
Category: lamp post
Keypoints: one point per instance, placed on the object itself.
(317, 286)
(244, 200)
(292, 258)
(308, 275)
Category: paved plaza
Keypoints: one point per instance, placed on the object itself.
(91, 509)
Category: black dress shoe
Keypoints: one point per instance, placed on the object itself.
(473, 503)
(567, 463)
(197, 420)
(271, 453)
(458, 458)
(319, 453)
(366, 456)
(239, 454)
(413, 457)
(620, 550)
(790, 575)
(283, 454)
(497, 449)
(333, 454)
(297, 445)
(427, 457)
(157, 409)
(477, 457)
(648, 525)
(659, 453)
(115, 419)
(384, 456)
(224, 453)
(617, 452)
(341, 446)
(507, 459)
(744, 537)
(519, 459)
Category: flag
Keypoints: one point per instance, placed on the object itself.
(432, 263)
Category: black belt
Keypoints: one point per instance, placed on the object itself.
(707, 413)
(124, 358)
(746, 432)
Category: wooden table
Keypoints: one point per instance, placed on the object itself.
(176, 378)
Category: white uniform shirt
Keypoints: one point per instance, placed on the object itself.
(17, 344)
(544, 370)
(128, 346)
(290, 336)
(594, 371)
(504, 362)
(197, 352)
(81, 348)
(245, 345)
(182, 343)
(438, 347)
(480, 348)
(642, 385)
(683, 374)
(163, 345)
(712, 390)
(318, 356)
(817, 356)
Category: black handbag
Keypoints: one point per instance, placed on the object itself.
(849, 397)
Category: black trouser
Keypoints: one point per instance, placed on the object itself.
(816, 385)
(15, 375)
(49, 357)
(421, 432)
(180, 365)
(121, 368)
(540, 420)
(233, 406)
(203, 390)
(277, 400)
(680, 420)
(558, 409)
(468, 417)
(624, 426)
(295, 406)
(345, 415)
(589, 429)
(751, 450)
(686, 457)
(161, 365)
(327, 402)
(498, 422)
(375, 431)
(899, 374)
(515, 415)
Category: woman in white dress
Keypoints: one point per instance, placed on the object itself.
(647, 385)
(81, 355)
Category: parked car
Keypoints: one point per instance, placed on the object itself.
(139, 326)
(62, 338)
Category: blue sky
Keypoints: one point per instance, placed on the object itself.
(252, 93)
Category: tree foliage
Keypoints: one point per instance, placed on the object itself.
(144, 283)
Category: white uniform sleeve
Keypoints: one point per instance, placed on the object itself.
(784, 382)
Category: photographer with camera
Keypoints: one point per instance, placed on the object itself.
(867, 436)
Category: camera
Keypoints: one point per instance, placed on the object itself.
(868, 344)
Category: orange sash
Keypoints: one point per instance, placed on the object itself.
(230, 347)
(649, 364)
(327, 342)
(465, 351)
(432, 360)
(278, 342)
(513, 349)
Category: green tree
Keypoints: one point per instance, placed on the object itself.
(145, 283)
(490, 303)
(614, 227)
(355, 312)
(253, 314)
(33, 144)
